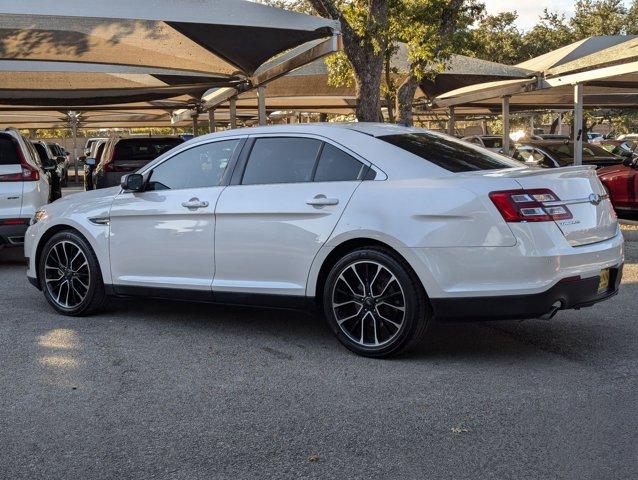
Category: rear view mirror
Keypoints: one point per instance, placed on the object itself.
(90, 161)
(133, 182)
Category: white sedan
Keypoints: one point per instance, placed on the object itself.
(383, 228)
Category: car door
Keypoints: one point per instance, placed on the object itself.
(284, 201)
(163, 237)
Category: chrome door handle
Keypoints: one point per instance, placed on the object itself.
(195, 203)
(321, 201)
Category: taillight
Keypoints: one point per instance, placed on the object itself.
(26, 174)
(529, 205)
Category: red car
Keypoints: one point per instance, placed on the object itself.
(622, 184)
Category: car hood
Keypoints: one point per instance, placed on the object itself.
(84, 202)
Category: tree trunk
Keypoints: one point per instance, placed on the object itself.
(366, 61)
(405, 98)
(368, 92)
(389, 84)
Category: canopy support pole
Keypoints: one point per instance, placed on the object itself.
(559, 127)
(74, 133)
(261, 105)
(451, 122)
(578, 124)
(506, 123)
(232, 110)
(212, 126)
(194, 117)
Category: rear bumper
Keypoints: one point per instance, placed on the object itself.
(568, 293)
(12, 235)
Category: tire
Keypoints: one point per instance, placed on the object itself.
(87, 294)
(392, 314)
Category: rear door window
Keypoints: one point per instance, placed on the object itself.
(281, 160)
(335, 165)
(448, 152)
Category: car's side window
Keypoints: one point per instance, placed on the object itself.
(335, 165)
(281, 160)
(197, 167)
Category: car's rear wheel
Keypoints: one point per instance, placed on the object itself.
(374, 304)
(70, 275)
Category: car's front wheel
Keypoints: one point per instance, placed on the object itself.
(375, 306)
(70, 275)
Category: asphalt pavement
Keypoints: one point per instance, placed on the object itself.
(169, 390)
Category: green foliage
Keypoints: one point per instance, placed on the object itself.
(599, 17)
(497, 39)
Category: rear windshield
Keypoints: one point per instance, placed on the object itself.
(448, 152)
(143, 148)
(42, 153)
(8, 153)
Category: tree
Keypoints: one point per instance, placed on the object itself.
(550, 33)
(599, 17)
(430, 29)
(497, 39)
(364, 27)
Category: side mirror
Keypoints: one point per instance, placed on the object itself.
(49, 165)
(90, 161)
(133, 182)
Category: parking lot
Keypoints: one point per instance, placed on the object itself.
(156, 389)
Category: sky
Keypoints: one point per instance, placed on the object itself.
(530, 10)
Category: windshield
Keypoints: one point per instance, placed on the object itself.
(564, 153)
(448, 152)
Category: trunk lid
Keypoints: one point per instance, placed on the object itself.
(593, 219)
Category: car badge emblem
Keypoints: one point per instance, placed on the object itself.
(595, 199)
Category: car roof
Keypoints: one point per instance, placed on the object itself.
(367, 128)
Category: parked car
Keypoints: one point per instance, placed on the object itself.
(54, 175)
(125, 155)
(549, 136)
(630, 138)
(91, 161)
(491, 142)
(620, 148)
(594, 136)
(89, 143)
(24, 186)
(552, 154)
(622, 184)
(384, 228)
(61, 157)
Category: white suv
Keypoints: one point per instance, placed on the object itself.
(24, 186)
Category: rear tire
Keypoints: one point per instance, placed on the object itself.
(70, 275)
(374, 304)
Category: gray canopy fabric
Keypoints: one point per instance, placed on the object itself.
(461, 71)
(232, 35)
(607, 67)
(97, 52)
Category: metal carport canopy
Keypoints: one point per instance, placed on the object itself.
(96, 52)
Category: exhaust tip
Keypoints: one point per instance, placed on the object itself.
(556, 306)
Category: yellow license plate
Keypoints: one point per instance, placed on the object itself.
(603, 283)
